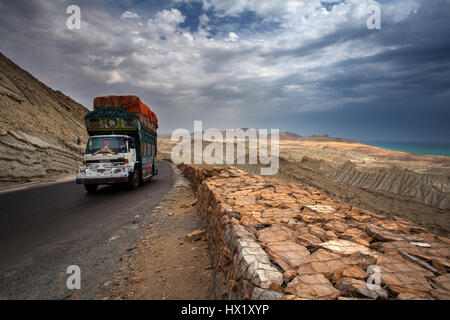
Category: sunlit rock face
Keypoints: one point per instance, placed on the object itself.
(39, 129)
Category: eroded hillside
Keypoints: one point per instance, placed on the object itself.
(39, 128)
(425, 178)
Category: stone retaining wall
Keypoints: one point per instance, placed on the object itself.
(270, 239)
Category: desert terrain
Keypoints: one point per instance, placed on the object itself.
(392, 183)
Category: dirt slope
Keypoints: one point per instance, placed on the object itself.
(425, 178)
(39, 128)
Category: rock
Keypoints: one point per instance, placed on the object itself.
(262, 294)
(350, 299)
(345, 247)
(354, 272)
(275, 287)
(402, 276)
(195, 235)
(188, 205)
(287, 254)
(294, 224)
(312, 287)
(316, 231)
(357, 236)
(308, 240)
(394, 247)
(419, 261)
(278, 243)
(330, 235)
(413, 239)
(288, 275)
(356, 287)
(412, 296)
(324, 262)
(374, 293)
(113, 238)
(335, 226)
(381, 234)
(440, 294)
(443, 281)
(275, 233)
(421, 244)
(443, 265)
(136, 279)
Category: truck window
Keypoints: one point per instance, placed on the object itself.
(113, 145)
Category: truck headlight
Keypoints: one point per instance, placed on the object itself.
(83, 171)
(117, 170)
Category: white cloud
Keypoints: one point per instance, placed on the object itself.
(172, 16)
(129, 15)
(232, 37)
(115, 77)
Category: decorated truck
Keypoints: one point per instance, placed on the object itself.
(122, 143)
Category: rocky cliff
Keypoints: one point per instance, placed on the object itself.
(39, 128)
(423, 177)
(430, 188)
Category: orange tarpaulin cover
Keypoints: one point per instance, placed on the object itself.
(129, 103)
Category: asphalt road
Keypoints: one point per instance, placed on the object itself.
(45, 229)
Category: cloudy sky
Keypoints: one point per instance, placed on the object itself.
(309, 67)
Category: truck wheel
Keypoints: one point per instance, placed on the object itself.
(134, 179)
(91, 188)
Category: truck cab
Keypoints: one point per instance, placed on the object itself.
(109, 159)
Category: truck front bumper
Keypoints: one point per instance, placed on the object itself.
(100, 174)
(100, 180)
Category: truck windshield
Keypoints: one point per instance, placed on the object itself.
(112, 145)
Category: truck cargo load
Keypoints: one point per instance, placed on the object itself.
(131, 104)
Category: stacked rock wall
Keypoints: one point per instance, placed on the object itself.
(270, 239)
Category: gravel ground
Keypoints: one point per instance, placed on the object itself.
(165, 264)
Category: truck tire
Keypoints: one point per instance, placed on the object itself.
(133, 181)
(91, 188)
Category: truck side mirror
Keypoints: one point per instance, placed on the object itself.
(132, 144)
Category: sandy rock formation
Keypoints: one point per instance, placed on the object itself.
(39, 128)
(422, 177)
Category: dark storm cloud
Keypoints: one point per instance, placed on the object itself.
(310, 68)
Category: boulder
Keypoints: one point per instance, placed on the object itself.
(354, 272)
(314, 286)
(345, 247)
(382, 234)
(195, 235)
